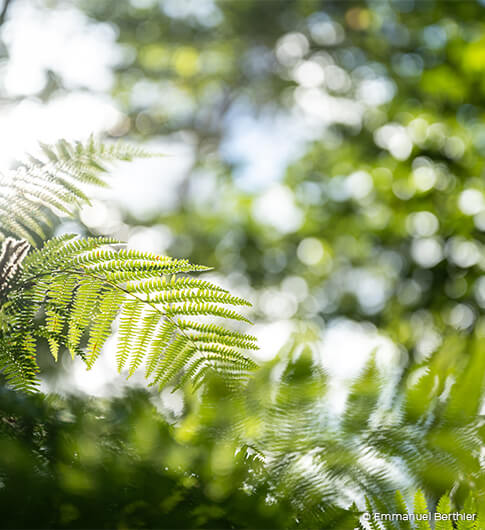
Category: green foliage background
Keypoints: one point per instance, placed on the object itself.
(388, 180)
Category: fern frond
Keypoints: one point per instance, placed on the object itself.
(402, 508)
(81, 285)
(175, 358)
(70, 291)
(39, 190)
(385, 436)
(420, 507)
(444, 507)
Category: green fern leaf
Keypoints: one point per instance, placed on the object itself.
(402, 508)
(81, 285)
(70, 291)
(148, 324)
(444, 507)
(101, 328)
(420, 507)
(130, 315)
(41, 189)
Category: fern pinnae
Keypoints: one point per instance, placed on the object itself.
(85, 301)
(200, 367)
(101, 329)
(200, 295)
(198, 309)
(60, 200)
(148, 323)
(94, 257)
(223, 352)
(204, 327)
(133, 254)
(13, 226)
(186, 282)
(198, 370)
(61, 290)
(161, 338)
(471, 507)
(18, 366)
(70, 193)
(168, 353)
(192, 372)
(61, 255)
(174, 359)
(162, 284)
(55, 321)
(421, 507)
(214, 338)
(118, 264)
(39, 256)
(444, 507)
(87, 171)
(130, 314)
(201, 375)
(27, 217)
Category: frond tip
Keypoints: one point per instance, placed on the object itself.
(55, 184)
(80, 286)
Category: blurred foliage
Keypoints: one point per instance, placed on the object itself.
(119, 464)
(385, 203)
(277, 454)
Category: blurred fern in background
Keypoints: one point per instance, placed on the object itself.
(275, 454)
